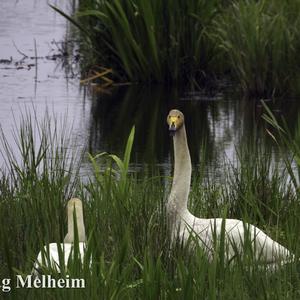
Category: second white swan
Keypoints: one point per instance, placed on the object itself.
(49, 257)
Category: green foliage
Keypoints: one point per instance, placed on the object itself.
(255, 42)
(146, 41)
(260, 41)
(129, 255)
(286, 140)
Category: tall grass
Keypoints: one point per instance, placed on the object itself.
(260, 40)
(127, 232)
(150, 41)
(256, 43)
(36, 181)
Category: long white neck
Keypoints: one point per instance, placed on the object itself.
(79, 221)
(177, 202)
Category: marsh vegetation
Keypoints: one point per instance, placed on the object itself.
(125, 221)
(253, 43)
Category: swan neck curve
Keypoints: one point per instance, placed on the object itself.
(182, 173)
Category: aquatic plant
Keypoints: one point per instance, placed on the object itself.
(146, 41)
(125, 220)
(254, 42)
(259, 39)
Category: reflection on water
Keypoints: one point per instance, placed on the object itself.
(46, 83)
(217, 123)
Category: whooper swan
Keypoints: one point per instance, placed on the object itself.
(51, 252)
(206, 231)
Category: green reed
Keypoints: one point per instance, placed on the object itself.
(128, 242)
(255, 43)
(149, 41)
(260, 41)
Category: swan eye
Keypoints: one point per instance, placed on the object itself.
(178, 117)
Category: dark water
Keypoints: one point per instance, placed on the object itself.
(219, 125)
(218, 122)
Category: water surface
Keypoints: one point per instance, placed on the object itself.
(34, 84)
(220, 125)
(218, 121)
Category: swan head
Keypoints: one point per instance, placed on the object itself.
(175, 121)
(74, 203)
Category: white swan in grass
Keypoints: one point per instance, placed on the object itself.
(51, 252)
(206, 231)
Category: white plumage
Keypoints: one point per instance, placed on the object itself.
(50, 255)
(207, 231)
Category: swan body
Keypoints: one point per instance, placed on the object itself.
(50, 256)
(207, 232)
